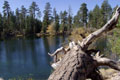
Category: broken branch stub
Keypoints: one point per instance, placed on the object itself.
(102, 61)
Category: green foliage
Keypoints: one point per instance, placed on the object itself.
(28, 21)
(12, 21)
(63, 16)
(6, 12)
(47, 16)
(116, 48)
(32, 10)
(94, 17)
(106, 11)
(1, 21)
(82, 15)
(76, 22)
(6, 9)
(99, 16)
(69, 18)
(56, 20)
(22, 18)
(114, 41)
(118, 24)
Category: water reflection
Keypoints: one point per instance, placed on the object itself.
(27, 58)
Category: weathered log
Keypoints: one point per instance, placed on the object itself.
(78, 64)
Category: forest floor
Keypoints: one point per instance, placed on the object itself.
(110, 74)
(115, 76)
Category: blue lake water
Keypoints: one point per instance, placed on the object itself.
(27, 59)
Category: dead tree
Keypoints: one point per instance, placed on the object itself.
(78, 64)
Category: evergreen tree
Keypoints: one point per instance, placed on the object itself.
(12, 21)
(6, 12)
(1, 23)
(81, 18)
(64, 21)
(28, 25)
(94, 17)
(17, 12)
(56, 20)
(33, 10)
(70, 18)
(83, 12)
(28, 21)
(90, 19)
(47, 16)
(22, 18)
(106, 12)
(76, 21)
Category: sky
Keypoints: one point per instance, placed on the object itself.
(60, 5)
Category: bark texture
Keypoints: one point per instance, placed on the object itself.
(74, 66)
(78, 64)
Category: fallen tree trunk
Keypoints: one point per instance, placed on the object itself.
(78, 64)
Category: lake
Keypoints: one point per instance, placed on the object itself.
(27, 59)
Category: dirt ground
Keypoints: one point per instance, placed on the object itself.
(110, 74)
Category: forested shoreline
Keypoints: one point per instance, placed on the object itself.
(26, 22)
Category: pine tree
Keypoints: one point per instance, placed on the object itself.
(64, 21)
(47, 16)
(56, 20)
(76, 21)
(94, 17)
(12, 21)
(83, 12)
(6, 12)
(69, 18)
(17, 12)
(90, 19)
(106, 12)
(82, 15)
(34, 10)
(23, 14)
(1, 23)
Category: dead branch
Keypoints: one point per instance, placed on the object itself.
(102, 61)
(107, 27)
(62, 49)
(77, 63)
(57, 51)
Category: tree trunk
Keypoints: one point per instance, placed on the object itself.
(78, 64)
(75, 65)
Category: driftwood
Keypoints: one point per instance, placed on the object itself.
(60, 52)
(78, 63)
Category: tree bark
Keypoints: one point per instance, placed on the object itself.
(78, 64)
